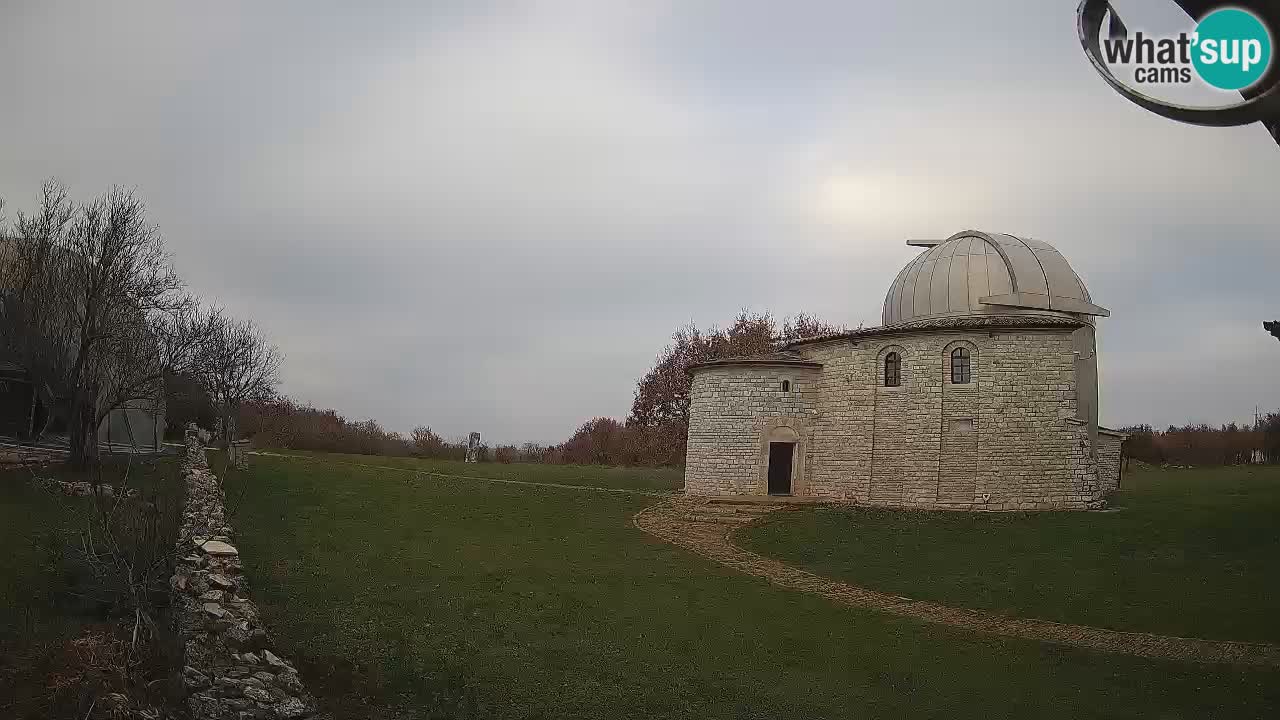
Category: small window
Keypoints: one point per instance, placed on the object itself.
(786, 386)
(960, 368)
(892, 370)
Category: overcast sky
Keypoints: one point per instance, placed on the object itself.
(491, 216)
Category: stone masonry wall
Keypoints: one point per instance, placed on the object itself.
(230, 669)
(729, 414)
(1001, 442)
(1110, 455)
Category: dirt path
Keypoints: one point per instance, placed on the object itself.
(668, 521)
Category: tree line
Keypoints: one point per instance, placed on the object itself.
(1230, 444)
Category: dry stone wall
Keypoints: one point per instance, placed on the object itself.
(1004, 441)
(231, 670)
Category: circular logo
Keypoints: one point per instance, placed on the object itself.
(1232, 49)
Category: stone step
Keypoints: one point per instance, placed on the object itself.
(765, 500)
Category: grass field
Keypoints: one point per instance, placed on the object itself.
(654, 479)
(465, 598)
(1194, 553)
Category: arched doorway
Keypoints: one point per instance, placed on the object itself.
(782, 460)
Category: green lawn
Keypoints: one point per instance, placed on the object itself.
(466, 598)
(651, 479)
(1193, 553)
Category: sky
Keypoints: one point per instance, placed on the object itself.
(492, 215)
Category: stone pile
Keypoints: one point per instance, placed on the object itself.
(80, 488)
(230, 669)
(16, 457)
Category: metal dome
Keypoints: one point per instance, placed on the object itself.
(981, 273)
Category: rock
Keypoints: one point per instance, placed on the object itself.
(250, 659)
(203, 706)
(265, 677)
(212, 596)
(215, 610)
(290, 681)
(193, 678)
(273, 661)
(244, 638)
(292, 709)
(259, 695)
(220, 581)
(218, 547)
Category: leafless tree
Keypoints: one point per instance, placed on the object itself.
(237, 364)
(35, 331)
(119, 283)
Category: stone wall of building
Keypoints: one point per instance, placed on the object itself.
(1110, 455)
(230, 668)
(733, 410)
(1000, 442)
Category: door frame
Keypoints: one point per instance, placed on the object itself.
(788, 430)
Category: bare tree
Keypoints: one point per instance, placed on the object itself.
(237, 365)
(119, 280)
(34, 331)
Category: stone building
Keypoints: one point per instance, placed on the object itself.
(979, 392)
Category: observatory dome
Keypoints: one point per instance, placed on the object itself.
(984, 273)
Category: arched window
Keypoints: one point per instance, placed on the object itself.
(892, 370)
(786, 386)
(960, 368)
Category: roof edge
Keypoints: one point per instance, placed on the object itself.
(961, 322)
(755, 362)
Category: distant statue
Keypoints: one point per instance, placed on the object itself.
(473, 447)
